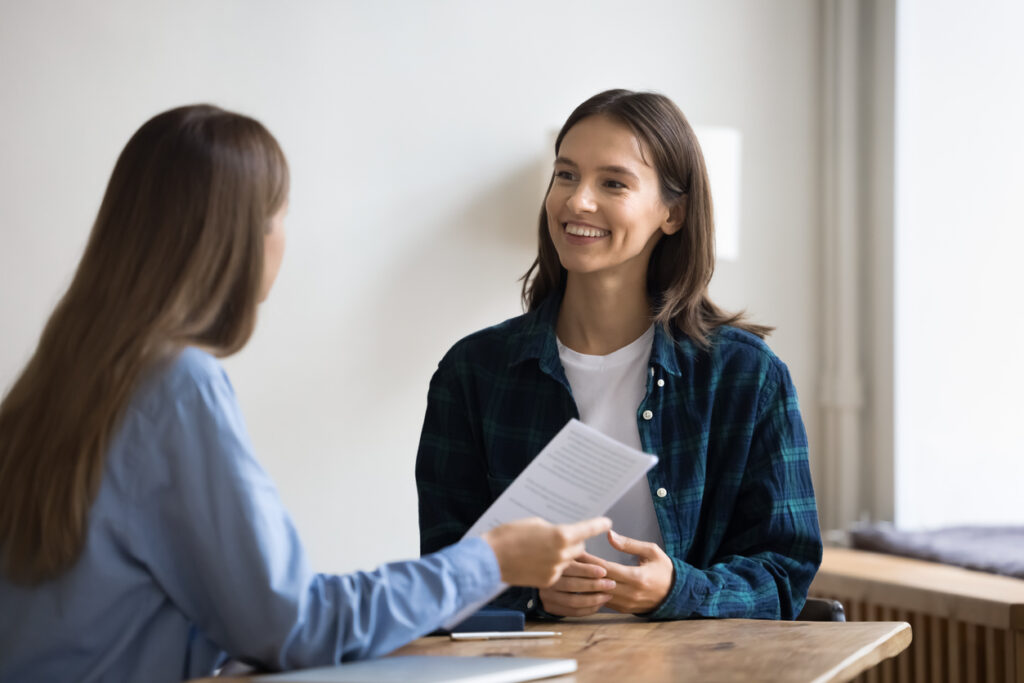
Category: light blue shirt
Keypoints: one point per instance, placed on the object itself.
(190, 555)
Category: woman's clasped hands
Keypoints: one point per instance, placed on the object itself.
(589, 583)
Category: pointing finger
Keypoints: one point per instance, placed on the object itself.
(578, 531)
(584, 570)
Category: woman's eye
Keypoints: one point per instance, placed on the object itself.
(614, 184)
(563, 175)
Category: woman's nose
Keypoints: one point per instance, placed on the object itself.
(582, 199)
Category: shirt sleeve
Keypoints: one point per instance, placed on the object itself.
(772, 546)
(221, 545)
(451, 474)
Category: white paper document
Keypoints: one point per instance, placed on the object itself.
(580, 474)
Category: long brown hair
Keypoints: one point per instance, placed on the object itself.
(681, 264)
(175, 258)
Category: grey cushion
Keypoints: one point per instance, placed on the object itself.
(995, 549)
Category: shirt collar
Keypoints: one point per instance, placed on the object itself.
(537, 340)
(663, 351)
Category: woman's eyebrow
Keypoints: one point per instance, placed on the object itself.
(621, 170)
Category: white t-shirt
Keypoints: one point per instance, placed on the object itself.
(608, 391)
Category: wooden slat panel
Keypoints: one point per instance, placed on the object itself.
(994, 655)
(1008, 655)
(1004, 653)
(936, 647)
(1018, 658)
(957, 641)
(972, 644)
(919, 648)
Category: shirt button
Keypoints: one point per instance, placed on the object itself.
(661, 382)
(648, 415)
(529, 604)
(662, 493)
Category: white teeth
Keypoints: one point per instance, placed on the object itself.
(584, 231)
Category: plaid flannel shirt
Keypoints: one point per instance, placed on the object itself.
(732, 489)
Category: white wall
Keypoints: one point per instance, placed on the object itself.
(959, 281)
(417, 134)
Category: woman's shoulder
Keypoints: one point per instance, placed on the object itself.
(729, 340)
(735, 350)
(194, 365)
(183, 413)
(742, 350)
(191, 373)
(495, 344)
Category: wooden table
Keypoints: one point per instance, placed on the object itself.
(611, 647)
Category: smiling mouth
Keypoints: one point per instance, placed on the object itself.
(584, 230)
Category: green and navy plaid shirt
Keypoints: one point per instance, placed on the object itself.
(738, 515)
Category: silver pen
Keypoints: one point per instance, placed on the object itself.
(496, 635)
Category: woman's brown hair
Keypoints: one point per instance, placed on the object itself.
(174, 258)
(681, 264)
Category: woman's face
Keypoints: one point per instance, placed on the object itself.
(605, 211)
(273, 251)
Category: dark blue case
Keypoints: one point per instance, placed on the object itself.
(490, 619)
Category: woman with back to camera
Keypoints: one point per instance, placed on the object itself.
(620, 332)
(140, 539)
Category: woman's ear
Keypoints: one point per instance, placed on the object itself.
(676, 216)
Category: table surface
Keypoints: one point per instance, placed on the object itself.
(611, 647)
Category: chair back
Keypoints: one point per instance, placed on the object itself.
(822, 609)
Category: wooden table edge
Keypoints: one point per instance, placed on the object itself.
(885, 646)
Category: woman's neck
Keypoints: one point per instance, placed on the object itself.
(600, 315)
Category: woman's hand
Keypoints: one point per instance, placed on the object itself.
(532, 552)
(581, 590)
(637, 589)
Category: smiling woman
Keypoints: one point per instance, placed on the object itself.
(604, 207)
(620, 333)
